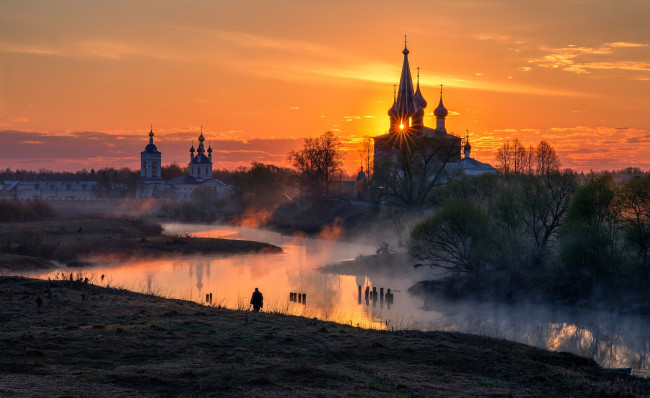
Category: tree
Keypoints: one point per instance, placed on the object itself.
(262, 186)
(547, 159)
(531, 160)
(588, 237)
(519, 155)
(456, 238)
(544, 201)
(367, 155)
(318, 163)
(416, 165)
(504, 158)
(633, 202)
(173, 170)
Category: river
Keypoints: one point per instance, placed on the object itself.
(612, 340)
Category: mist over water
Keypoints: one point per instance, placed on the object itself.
(613, 340)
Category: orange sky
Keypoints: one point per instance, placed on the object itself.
(81, 81)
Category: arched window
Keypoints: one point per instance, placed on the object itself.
(154, 169)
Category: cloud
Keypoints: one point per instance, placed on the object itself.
(294, 108)
(625, 44)
(23, 48)
(582, 60)
(17, 119)
(348, 118)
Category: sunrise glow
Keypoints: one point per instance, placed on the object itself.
(79, 90)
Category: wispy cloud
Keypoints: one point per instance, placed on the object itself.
(581, 60)
(626, 44)
(17, 119)
(27, 49)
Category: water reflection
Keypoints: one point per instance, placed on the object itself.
(370, 301)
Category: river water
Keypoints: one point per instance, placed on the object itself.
(613, 340)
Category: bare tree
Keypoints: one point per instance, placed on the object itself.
(531, 160)
(318, 163)
(633, 202)
(518, 154)
(545, 200)
(547, 159)
(504, 158)
(367, 155)
(415, 167)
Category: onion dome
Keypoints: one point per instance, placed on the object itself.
(440, 111)
(150, 148)
(209, 149)
(419, 99)
(192, 149)
(467, 146)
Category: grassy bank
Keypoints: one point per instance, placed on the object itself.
(84, 340)
(26, 246)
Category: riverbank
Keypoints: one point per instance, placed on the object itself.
(30, 246)
(85, 340)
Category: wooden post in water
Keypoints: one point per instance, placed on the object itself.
(299, 298)
(304, 299)
(210, 298)
(207, 298)
(367, 292)
(359, 299)
(381, 293)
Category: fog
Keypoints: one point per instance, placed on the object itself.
(332, 293)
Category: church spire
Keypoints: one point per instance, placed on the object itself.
(405, 105)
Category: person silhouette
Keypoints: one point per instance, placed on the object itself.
(257, 300)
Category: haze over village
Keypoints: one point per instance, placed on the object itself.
(291, 198)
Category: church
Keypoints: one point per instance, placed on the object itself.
(407, 125)
(151, 183)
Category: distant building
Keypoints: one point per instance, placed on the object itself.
(150, 182)
(51, 190)
(407, 123)
(469, 166)
(200, 167)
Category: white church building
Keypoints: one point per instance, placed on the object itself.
(151, 183)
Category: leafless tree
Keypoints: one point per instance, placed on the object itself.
(415, 168)
(367, 155)
(547, 159)
(504, 158)
(318, 163)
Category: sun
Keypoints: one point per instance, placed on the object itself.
(401, 126)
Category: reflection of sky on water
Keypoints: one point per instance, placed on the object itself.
(612, 340)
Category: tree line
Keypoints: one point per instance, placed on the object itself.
(557, 233)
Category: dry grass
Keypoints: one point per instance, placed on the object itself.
(86, 340)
